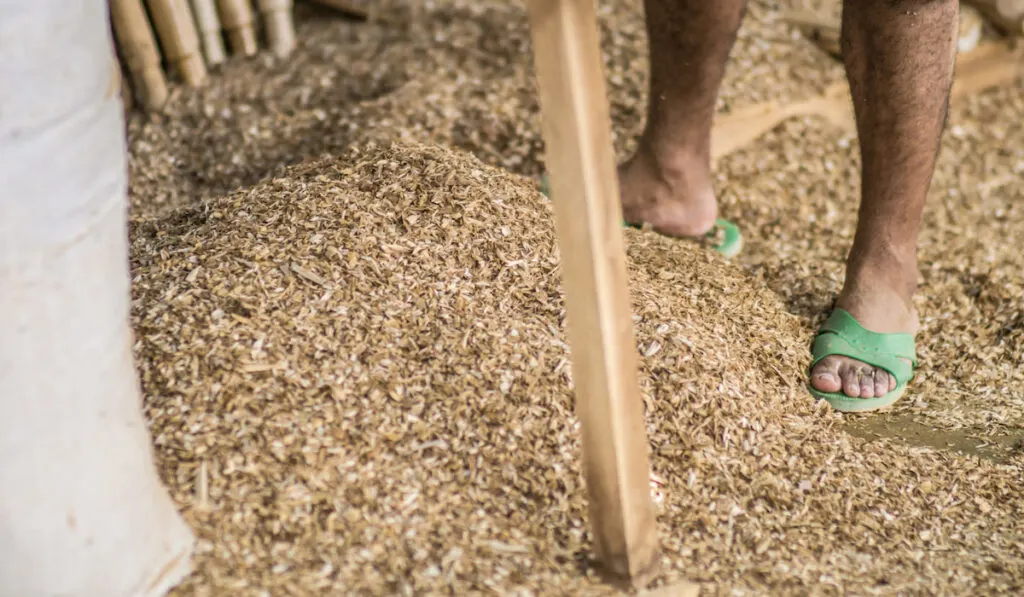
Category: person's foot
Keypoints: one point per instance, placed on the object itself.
(672, 195)
(881, 303)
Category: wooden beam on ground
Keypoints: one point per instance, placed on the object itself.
(990, 64)
(582, 171)
(745, 125)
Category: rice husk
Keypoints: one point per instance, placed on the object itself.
(351, 333)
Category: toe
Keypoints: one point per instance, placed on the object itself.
(867, 383)
(851, 377)
(825, 376)
(882, 383)
(851, 380)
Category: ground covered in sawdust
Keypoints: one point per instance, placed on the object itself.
(351, 334)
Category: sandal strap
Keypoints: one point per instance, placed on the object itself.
(842, 335)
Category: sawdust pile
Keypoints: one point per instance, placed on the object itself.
(358, 381)
(353, 352)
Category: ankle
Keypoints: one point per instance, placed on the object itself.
(884, 264)
(671, 192)
(675, 154)
(879, 292)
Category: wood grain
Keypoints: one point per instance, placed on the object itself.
(581, 162)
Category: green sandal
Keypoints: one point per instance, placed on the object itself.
(731, 240)
(842, 335)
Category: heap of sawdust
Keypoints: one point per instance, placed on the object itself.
(358, 382)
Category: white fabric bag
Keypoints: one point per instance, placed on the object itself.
(82, 510)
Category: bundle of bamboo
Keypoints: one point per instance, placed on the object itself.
(189, 36)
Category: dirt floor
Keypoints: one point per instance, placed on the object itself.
(351, 335)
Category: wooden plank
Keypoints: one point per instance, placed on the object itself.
(745, 125)
(990, 64)
(588, 218)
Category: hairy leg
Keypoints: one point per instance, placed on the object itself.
(899, 57)
(667, 183)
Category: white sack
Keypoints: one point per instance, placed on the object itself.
(82, 511)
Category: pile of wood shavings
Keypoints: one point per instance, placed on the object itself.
(358, 380)
(356, 369)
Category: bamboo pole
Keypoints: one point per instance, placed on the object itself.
(588, 219)
(278, 23)
(116, 85)
(138, 49)
(209, 27)
(119, 86)
(179, 39)
(237, 18)
(127, 97)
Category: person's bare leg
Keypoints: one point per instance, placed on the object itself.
(899, 57)
(667, 183)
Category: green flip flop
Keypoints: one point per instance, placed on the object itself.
(842, 335)
(731, 242)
